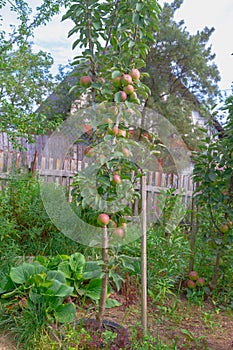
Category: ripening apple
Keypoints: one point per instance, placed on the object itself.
(200, 282)
(123, 96)
(101, 80)
(129, 89)
(86, 81)
(229, 223)
(126, 152)
(122, 133)
(107, 121)
(119, 232)
(193, 275)
(126, 79)
(112, 224)
(130, 111)
(191, 284)
(146, 135)
(123, 225)
(224, 228)
(117, 81)
(115, 130)
(87, 128)
(135, 74)
(89, 152)
(133, 97)
(103, 219)
(131, 133)
(116, 179)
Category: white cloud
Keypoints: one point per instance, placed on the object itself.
(196, 13)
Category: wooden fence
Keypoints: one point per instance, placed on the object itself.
(62, 172)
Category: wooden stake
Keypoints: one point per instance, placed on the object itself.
(144, 258)
(103, 295)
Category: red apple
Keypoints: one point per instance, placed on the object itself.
(126, 79)
(86, 81)
(119, 232)
(122, 133)
(200, 282)
(87, 128)
(103, 219)
(130, 111)
(224, 228)
(89, 152)
(133, 97)
(126, 152)
(115, 130)
(131, 133)
(123, 225)
(135, 74)
(112, 224)
(129, 89)
(193, 275)
(123, 96)
(117, 81)
(107, 121)
(116, 179)
(191, 284)
(101, 80)
(146, 135)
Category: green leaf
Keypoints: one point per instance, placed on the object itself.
(139, 6)
(135, 18)
(212, 176)
(131, 43)
(64, 267)
(92, 269)
(35, 297)
(56, 275)
(77, 262)
(118, 97)
(116, 279)
(93, 289)
(96, 25)
(112, 303)
(60, 289)
(65, 313)
(23, 272)
(115, 74)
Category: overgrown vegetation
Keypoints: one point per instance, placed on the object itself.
(39, 288)
(51, 288)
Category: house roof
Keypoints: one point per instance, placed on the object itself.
(60, 101)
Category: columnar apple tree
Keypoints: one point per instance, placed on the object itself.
(114, 38)
(213, 174)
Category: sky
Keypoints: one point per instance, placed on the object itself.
(196, 14)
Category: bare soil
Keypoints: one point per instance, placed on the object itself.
(190, 326)
(6, 343)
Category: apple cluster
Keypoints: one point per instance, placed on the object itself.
(194, 280)
(105, 221)
(124, 86)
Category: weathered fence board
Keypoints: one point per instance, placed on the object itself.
(61, 171)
